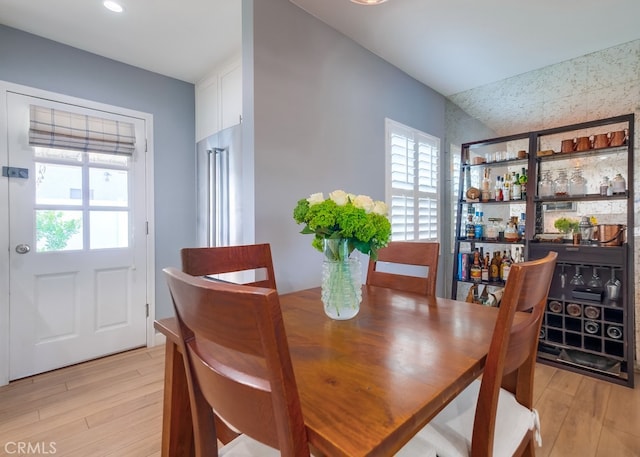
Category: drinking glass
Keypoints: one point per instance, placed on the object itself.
(612, 287)
(563, 277)
(595, 280)
(577, 279)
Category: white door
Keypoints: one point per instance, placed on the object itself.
(77, 247)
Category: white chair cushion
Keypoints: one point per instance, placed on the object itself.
(417, 447)
(243, 446)
(451, 430)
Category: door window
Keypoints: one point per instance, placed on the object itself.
(82, 200)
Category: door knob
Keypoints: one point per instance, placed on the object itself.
(23, 248)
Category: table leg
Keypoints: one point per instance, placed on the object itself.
(177, 427)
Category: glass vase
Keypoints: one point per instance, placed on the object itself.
(341, 280)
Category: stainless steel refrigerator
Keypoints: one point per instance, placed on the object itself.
(219, 188)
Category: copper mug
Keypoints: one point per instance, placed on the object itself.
(618, 138)
(568, 145)
(583, 143)
(601, 140)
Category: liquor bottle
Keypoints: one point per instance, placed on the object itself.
(498, 189)
(516, 188)
(475, 273)
(516, 258)
(506, 187)
(494, 268)
(523, 183)
(484, 274)
(470, 227)
(505, 266)
(485, 195)
(479, 226)
(522, 226)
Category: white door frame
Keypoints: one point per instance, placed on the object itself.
(4, 210)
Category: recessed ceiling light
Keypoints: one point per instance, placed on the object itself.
(368, 2)
(112, 6)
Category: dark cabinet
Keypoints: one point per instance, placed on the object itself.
(582, 174)
(588, 323)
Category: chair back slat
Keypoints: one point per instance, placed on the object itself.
(420, 254)
(511, 358)
(229, 259)
(223, 260)
(521, 341)
(237, 362)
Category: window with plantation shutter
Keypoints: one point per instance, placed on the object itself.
(455, 185)
(412, 182)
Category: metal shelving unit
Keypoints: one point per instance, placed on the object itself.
(583, 330)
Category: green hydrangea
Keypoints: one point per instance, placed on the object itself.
(358, 219)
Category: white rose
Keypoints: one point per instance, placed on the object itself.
(315, 199)
(339, 196)
(363, 201)
(380, 208)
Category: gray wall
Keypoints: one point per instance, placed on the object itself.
(36, 62)
(318, 122)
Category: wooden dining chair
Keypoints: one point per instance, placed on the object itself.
(219, 260)
(237, 363)
(230, 259)
(406, 254)
(495, 416)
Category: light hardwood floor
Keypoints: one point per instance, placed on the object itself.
(113, 407)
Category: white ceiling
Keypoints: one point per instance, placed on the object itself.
(183, 39)
(450, 45)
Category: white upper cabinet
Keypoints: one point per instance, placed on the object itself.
(219, 99)
(231, 96)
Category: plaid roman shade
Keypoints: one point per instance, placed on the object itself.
(54, 128)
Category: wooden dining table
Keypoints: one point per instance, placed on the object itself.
(367, 384)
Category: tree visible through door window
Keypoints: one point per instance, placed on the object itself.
(55, 228)
(412, 182)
